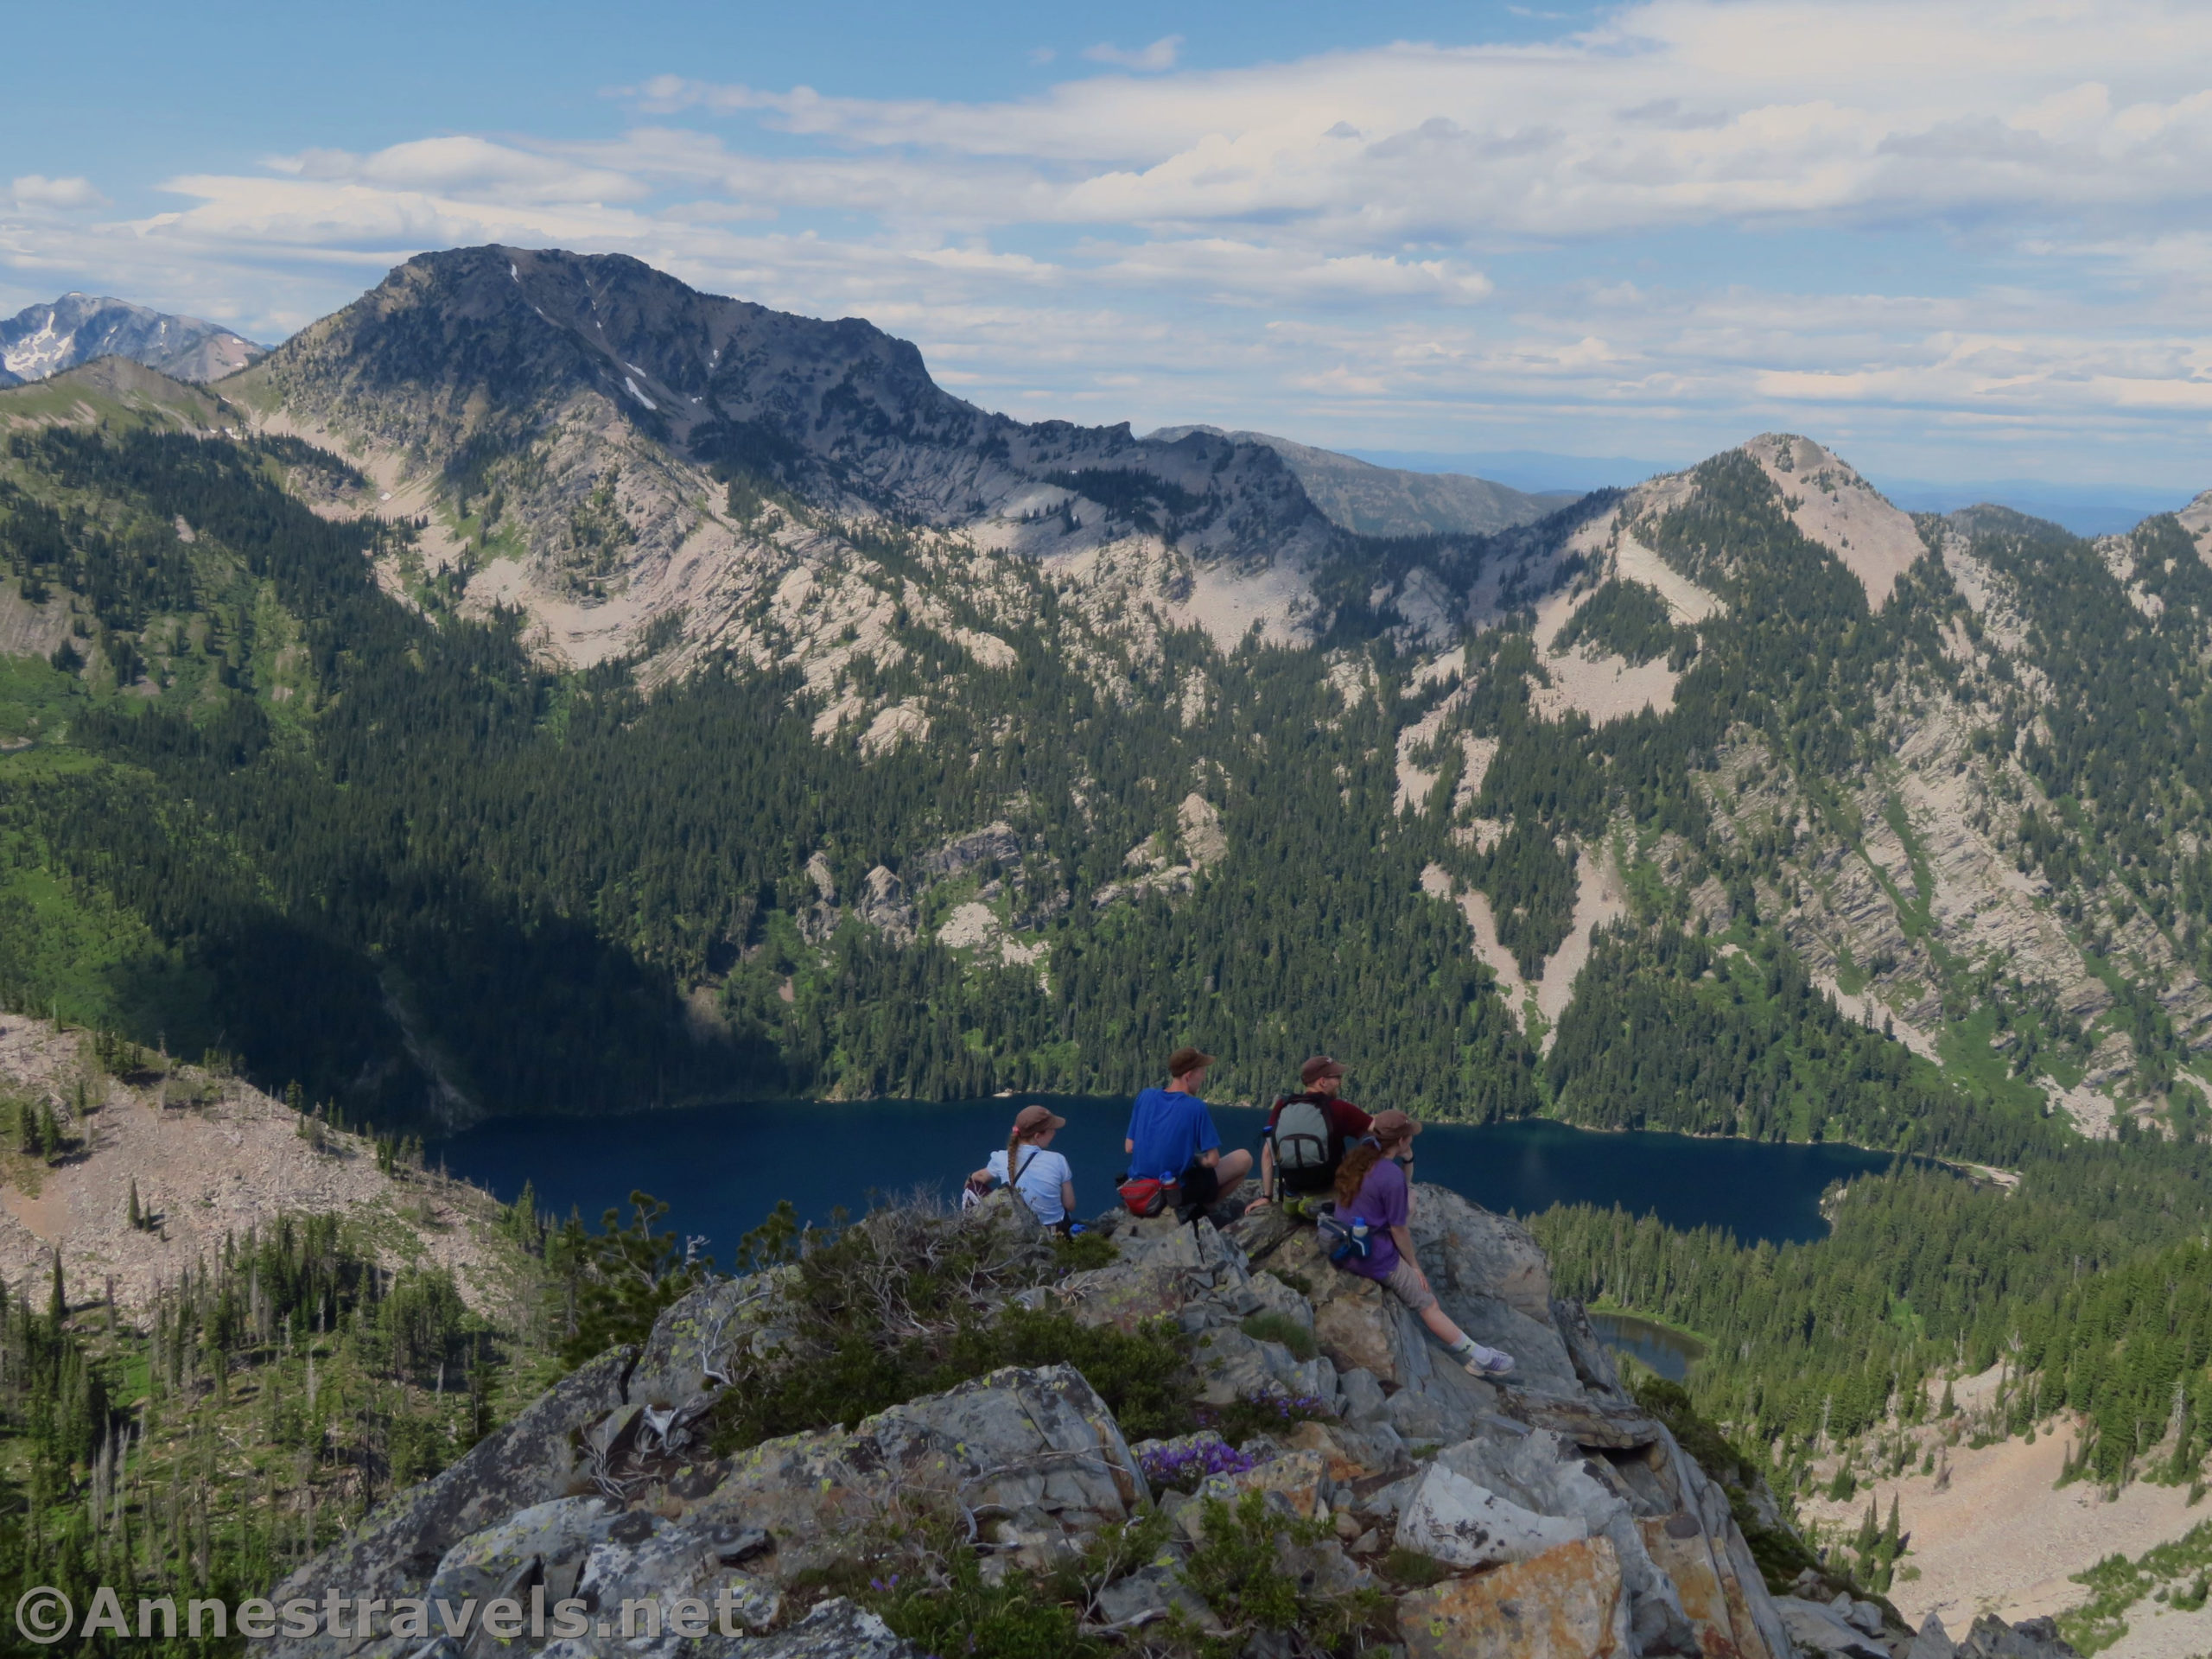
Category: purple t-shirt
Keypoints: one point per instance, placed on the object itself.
(1382, 1204)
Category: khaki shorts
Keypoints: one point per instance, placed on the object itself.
(1405, 1282)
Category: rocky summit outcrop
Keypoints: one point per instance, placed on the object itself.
(1553, 1517)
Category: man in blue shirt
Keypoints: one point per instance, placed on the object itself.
(1172, 1137)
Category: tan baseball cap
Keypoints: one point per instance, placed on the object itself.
(1037, 1118)
(1318, 1067)
(1391, 1126)
(1187, 1058)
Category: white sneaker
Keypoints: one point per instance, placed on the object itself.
(1488, 1362)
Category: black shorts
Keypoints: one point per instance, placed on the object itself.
(1201, 1185)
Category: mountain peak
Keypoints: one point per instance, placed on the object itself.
(1831, 504)
(540, 380)
(44, 339)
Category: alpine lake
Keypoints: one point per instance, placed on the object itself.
(722, 1169)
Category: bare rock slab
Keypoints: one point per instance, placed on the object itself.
(1564, 1604)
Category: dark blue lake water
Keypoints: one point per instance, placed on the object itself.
(723, 1168)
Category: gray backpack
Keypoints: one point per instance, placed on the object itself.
(1303, 1139)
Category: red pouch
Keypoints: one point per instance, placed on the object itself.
(1146, 1197)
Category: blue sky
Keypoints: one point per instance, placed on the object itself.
(1956, 240)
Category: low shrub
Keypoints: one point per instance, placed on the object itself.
(905, 1303)
(1412, 1569)
(1237, 1569)
(1265, 1413)
(1280, 1327)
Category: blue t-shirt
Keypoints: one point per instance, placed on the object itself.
(1171, 1130)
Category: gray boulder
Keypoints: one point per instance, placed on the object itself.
(1363, 1401)
(2031, 1639)
(1545, 1472)
(837, 1629)
(1451, 1519)
(1817, 1628)
(1933, 1642)
(1148, 1595)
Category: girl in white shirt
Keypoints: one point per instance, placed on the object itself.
(1029, 1165)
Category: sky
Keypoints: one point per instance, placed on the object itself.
(1954, 240)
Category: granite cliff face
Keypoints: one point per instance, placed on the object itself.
(1438, 1512)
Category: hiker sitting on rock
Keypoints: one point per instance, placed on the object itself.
(1371, 1185)
(1040, 1175)
(1306, 1136)
(1172, 1137)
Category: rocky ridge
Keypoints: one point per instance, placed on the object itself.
(599, 444)
(1374, 500)
(1556, 1517)
(1925, 872)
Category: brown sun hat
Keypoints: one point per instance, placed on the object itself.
(1187, 1058)
(1393, 1126)
(1318, 1067)
(1032, 1118)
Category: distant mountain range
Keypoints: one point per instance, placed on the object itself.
(777, 672)
(44, 339)
(1383, 501)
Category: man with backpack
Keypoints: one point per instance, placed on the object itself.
(1307, 1135)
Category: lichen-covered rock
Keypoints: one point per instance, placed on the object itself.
(1300, 1476)
(692, 1339)
(1150, 1594)
(1452, 1520)
(1016, 1441)
(1591, 1531)
(1545, 1472)
(1564, 1604)
(1349, 1451)
(1679, 1546)
(1165, 1266)
(484, 1563)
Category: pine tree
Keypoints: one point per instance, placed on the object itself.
(137, 1215)
(57, 1304)
(1950, 1406)
(1892, 1536)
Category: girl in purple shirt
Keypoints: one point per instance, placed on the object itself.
(1371, 1185)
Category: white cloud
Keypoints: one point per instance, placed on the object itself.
(35, 190)
(468, 169)
(1951, 221)
(1161, 54)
